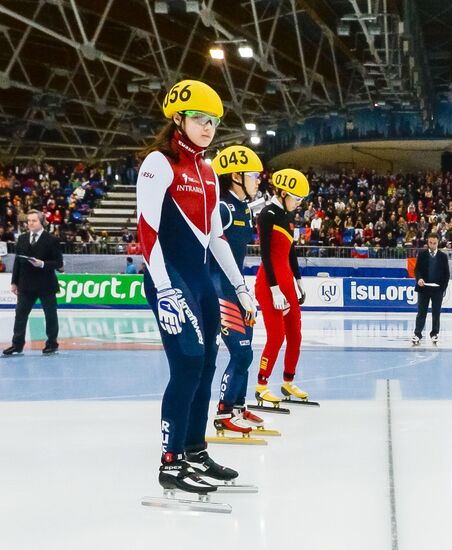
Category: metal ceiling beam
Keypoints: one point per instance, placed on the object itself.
(73, 43)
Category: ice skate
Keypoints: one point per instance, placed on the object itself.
(223, 478)
(434, 338)
(291, 391)
(232, 428)
(254, 421)
(415, 340)
(264, 395)
(180, 476)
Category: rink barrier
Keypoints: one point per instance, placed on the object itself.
(322, 294)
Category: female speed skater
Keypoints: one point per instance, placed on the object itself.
(275, 289)
(178, 222)
(238, 168)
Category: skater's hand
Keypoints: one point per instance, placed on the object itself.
(421, 282)
(279, 300)
(14, 290)
(302, 292)
(170, 312)
(247, 302)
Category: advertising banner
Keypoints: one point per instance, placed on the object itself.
(322, 293)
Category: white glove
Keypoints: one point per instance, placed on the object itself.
(302, 291)
(279, 300)
(170, 312)
(247, 302)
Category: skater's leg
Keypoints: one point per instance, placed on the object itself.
(422, 307)
(237, 338)
(274, 325)
(210, 319)
(185, 353)
(292, 328)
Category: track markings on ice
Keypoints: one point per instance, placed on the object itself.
(411, 363)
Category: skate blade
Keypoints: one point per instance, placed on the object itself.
(263, 431)
(236, 440)
(262, 408)
(232, 488)
(300, 402)
(186, 505)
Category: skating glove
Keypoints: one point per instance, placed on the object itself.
(247, 302)
(279, 300)
(170, 312)
(302, 291)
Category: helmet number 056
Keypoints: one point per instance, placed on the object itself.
(175, 94)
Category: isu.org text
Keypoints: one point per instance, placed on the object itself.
(377, 293)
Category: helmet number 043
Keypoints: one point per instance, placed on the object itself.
(225, 160)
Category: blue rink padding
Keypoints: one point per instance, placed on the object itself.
(346, 271)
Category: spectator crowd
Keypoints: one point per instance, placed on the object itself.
(348, 209)
(372, 210)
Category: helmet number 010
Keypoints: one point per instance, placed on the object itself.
(175, 94)
(232, 159)
(282, 181)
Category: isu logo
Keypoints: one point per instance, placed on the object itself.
(147, 174)
(329, 292)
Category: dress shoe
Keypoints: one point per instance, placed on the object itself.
(12, 350)
(49, 349)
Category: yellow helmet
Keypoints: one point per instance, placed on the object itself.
(292, 181)
(192, 95)
(236, 158)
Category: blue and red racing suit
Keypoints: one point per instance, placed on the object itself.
(178, 220)
(237, 227)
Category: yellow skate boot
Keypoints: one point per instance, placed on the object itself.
(289, 389)
(264, 394)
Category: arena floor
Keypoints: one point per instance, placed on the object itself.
(370, 469)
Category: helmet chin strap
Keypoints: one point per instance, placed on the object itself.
(284, 203)
(243, 186)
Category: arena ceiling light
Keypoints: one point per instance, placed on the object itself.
(343, 29)
(245, 50)
(217, 53)
(255, 140)
(250, 126)
(192, 7)
(271, 133)
(161, 7)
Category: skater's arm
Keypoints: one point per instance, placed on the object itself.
(294, 263)
(221, 250)
(154, 179)
(265, 224)
(226, 216)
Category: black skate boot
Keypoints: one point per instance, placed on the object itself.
(204, 466)
(179, 475)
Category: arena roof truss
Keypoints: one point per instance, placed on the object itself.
(85, 78)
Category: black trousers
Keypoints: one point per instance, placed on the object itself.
(25, 303)
(424, 298)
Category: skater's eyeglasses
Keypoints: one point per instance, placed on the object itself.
(295, 198)
(202, 118)
(254, 175)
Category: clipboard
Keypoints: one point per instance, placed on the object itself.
(26, 257)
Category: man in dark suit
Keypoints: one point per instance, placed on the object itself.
(34, 278)
(432, 278)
